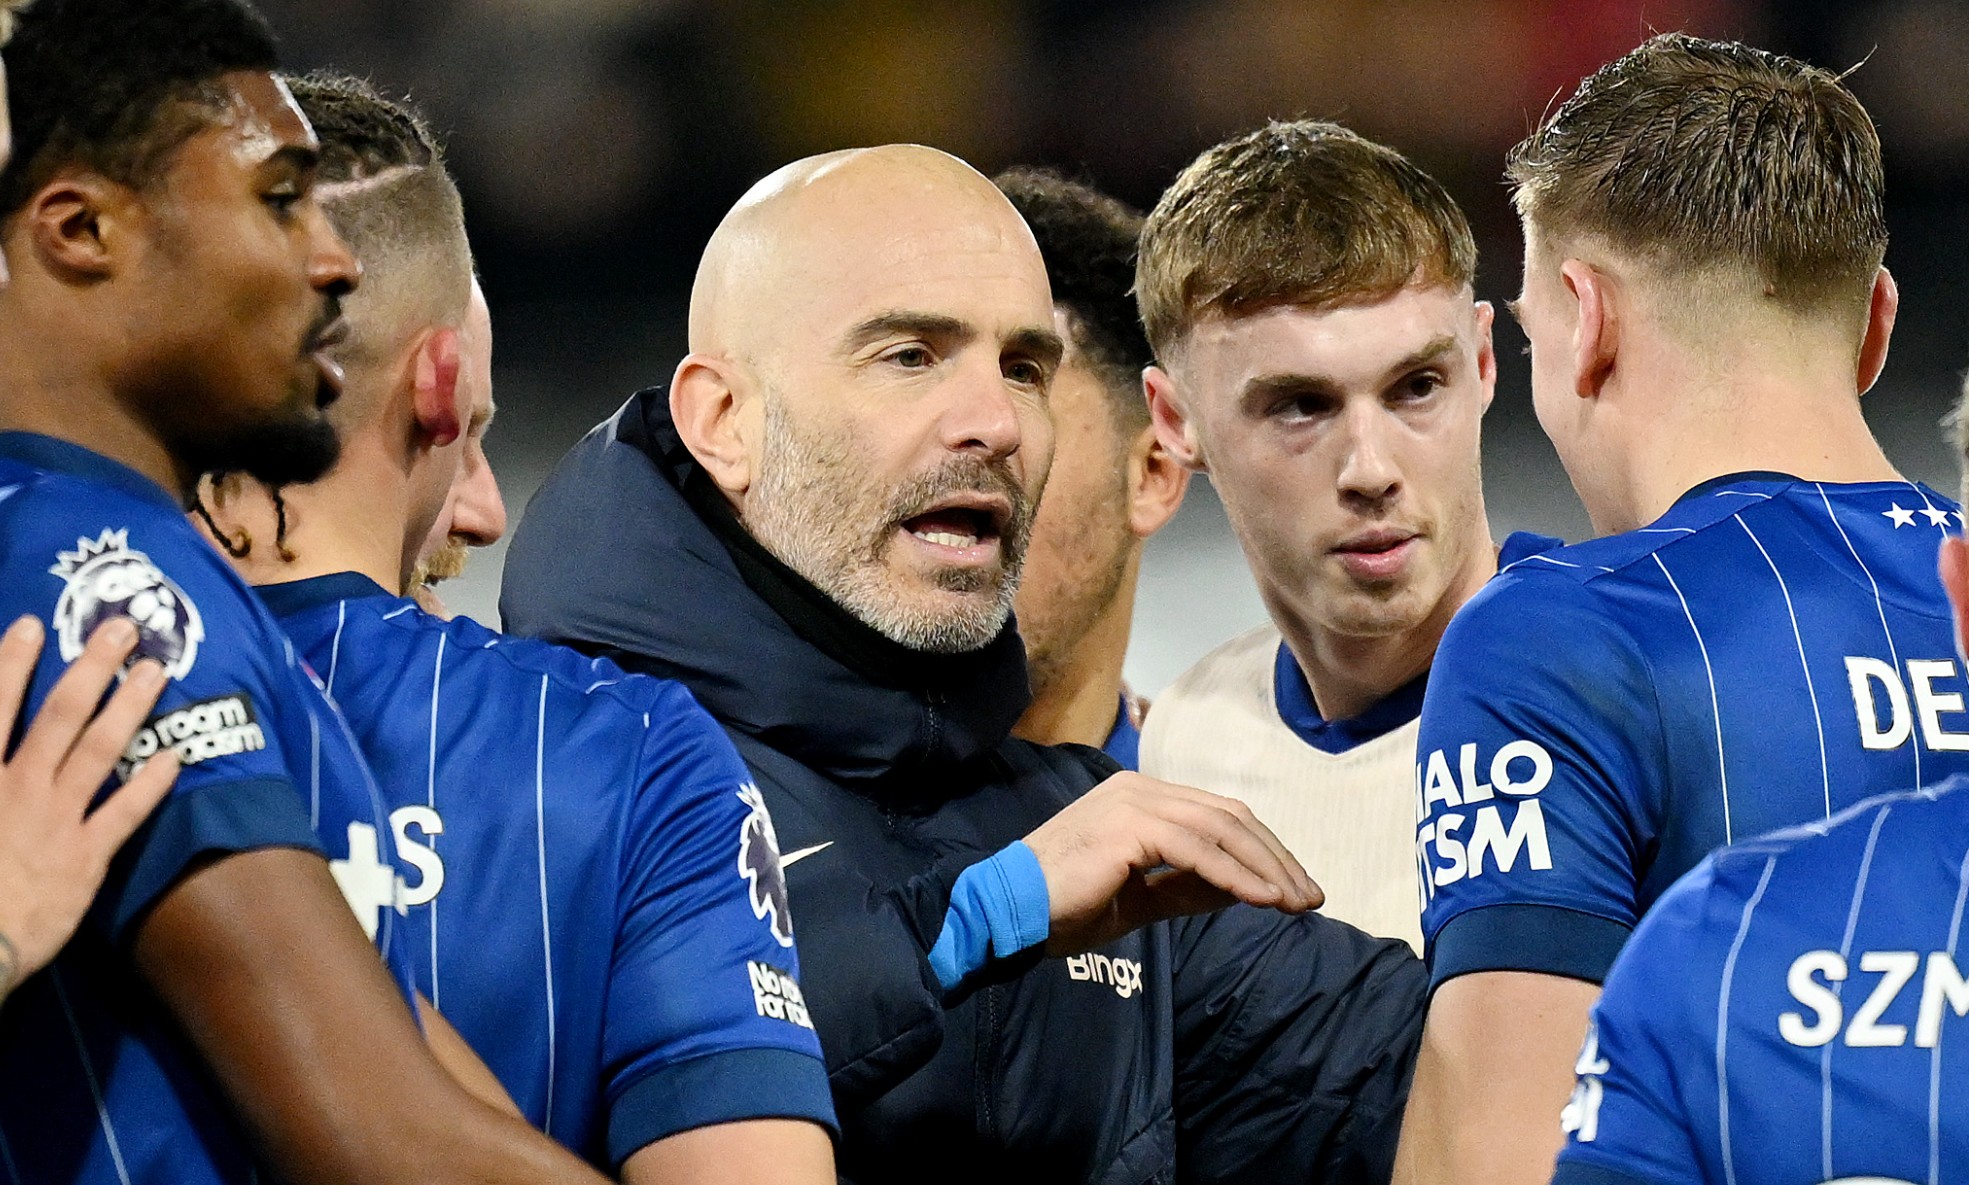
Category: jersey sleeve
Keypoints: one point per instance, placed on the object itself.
(1538, 752)
(1647, 1068)
(235, 791)
(706, 1022)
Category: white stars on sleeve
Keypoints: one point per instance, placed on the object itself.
(1936, 516)
(1901, 517)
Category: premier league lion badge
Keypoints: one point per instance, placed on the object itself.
(106, 580)
(758, 863)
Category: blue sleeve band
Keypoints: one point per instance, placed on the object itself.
(218, 818)
(727, 1087)
(998, 906)
(1546, 939)
(1579, 1172)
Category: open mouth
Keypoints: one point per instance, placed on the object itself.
(967, 525)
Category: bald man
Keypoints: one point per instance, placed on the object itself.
(818, 528)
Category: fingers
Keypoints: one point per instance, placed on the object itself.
(63, 715)
(19, 648)
(1197, 850)
(95, 756)
(126, 808)
(1237, 831)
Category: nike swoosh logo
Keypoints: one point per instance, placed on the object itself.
(792, 858)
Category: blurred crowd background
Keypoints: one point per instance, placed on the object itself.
(598, 142)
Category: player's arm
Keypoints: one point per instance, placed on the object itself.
(54, 850)
(461, 1061)
(744, 1152)
(1537, 752)
(258, 958)
(1493, 1077)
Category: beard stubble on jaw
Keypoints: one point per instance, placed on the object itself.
(813, 509)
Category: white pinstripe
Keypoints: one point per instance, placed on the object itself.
(1740, 494)
(1715, 708)
(314, 769)
(1543, 558)
(335, 648)
(1818, 721)
(398, 612)
(1665, 531)
(1838, 990)
(431, 800)
(89, 1073)
(1935, 1056)
(546, 928)
(1723, 1024)
(1879, 606)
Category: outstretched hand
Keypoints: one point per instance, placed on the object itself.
(53, 850)
(1135, 850)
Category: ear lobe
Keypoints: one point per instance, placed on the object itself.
(1173, 429)
(434, 397)
(706, 406)
(1883, 307)
(1596, 332)
(1156, 484)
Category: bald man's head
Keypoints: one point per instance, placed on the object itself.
(871, 345)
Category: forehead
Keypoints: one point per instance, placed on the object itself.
(1350, 342)
(964, 259)
(255, 120)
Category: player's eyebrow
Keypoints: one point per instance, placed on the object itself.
(1434, 350)
(302, 158)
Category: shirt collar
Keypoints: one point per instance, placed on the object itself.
(60, 456)
(298, 596)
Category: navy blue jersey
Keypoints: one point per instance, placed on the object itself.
(95, 1084)
(1602, 716)
(597, 903)
(1794, 1011)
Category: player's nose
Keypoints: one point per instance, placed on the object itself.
(479, 514)
(1368, 467)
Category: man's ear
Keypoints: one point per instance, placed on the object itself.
(1954, 566)
(1486, 350)
(1173, 427)
(1156, 484)
(1882, 308)
(1596, 329)
(434, 389)
(707, 405)
(82, 225)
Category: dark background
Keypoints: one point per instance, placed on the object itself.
(598, 142)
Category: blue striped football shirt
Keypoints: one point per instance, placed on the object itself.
(1602, 716)
(596, 901)
(96, 1084)
(1794, 1011)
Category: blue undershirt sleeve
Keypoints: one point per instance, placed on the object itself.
(999, 907)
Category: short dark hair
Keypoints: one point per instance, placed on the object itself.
(1088, 240)
(1694, 155)
(383, 185)
(1303, 213)
(109, 83)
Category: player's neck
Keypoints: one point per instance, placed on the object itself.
(64, 392)
(1749, 422)
(1078, 704)
(350, 521)
(1350, 673)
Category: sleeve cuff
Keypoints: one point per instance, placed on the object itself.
(1546, 939)
(217, 818)
(727, 1087)
(998, 907)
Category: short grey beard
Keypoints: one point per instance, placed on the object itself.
(795, 512)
